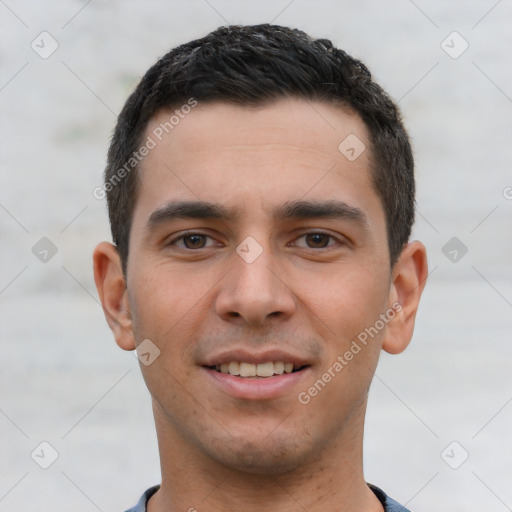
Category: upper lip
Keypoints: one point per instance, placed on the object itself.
(242, 355)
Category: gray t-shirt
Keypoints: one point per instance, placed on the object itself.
(389, 504)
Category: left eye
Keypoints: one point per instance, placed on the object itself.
(317, 240)
(192, 241)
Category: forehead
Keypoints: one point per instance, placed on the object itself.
(256, 158)
(309, 126)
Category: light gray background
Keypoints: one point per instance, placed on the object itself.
(64, 381)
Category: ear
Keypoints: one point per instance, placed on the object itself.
(408, 280)
(111, 286)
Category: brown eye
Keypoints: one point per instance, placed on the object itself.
(194, 241)
(317, 240)
(191, 241)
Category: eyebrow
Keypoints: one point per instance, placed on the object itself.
(330, 209)
(189, 210)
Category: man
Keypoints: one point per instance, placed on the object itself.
(261, 196)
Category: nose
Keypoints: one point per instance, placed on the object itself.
(254, 291)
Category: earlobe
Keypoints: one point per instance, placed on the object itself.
(111, 286)
(408, 280)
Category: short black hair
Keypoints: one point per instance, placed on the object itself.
(253, 66)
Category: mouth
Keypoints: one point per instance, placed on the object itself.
(258, 380)
(260, 371)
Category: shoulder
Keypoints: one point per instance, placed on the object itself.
(389, 504)
(141, 505)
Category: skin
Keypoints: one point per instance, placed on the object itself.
(307, 295)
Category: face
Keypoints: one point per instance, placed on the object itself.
(257, 246)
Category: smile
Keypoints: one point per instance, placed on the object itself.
(268, 369)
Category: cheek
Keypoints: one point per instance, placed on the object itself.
(164, 300)
(166, 308)
(349, 305)
(345, 301)
(169, 308)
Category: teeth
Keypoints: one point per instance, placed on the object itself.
(234, 368)
(279, 368)
(255, 370)
(265, 370)
(247, 370)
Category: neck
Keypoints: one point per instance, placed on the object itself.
(331, 480)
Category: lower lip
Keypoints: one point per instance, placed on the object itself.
(249, 388)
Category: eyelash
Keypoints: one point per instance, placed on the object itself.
(309, 233)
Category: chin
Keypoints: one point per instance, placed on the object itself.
(264, 456)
